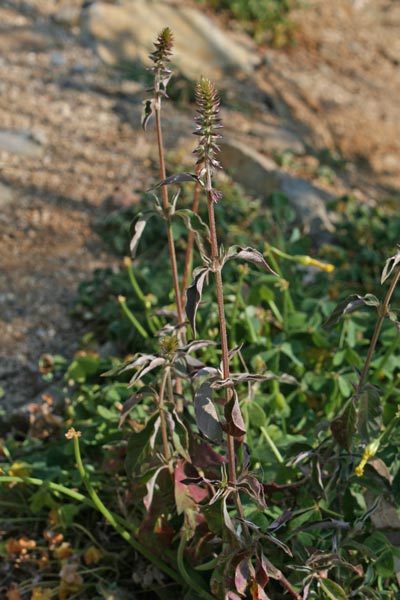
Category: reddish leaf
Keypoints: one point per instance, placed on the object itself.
(234, 419)
(261, 571)
(244, 573)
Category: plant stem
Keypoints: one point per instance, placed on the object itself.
(164, 195)
(164, 433)
(132, 318)
(190, 244)
(383, 310)
(271, 444)
(110, 518)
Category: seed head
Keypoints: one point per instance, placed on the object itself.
(208, 122)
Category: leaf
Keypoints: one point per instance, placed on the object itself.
(138, 227)
(332, 590)
(178, 178)
(234, 419)
(250, 255)
(206, 415)
(150, 485)
(369, 413)
(153, 364)
(244, 572)
(350, 305)
(195, 345)
(147, 112)
(193, 295)
(227, 519)
(344, 426)
(131, 403)
(390, 264)
(196, 225)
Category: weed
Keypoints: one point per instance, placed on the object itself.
(250, 450)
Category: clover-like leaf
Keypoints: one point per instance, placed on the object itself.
(194, 294)
(349, 305)
(250, 255)
(206, 414)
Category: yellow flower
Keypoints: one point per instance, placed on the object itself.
(20, 469)
(92, 556)
(41, 594)
(308, 261)
(369, 452)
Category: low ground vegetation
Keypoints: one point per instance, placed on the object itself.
(245, 448)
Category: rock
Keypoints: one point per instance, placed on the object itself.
(21, 143)
(279, 139)
(6, 195)
(125, 33)
(57, 59)
(260, 175)
(67, 16)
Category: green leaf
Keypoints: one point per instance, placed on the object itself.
(206, 415)
(332, 590)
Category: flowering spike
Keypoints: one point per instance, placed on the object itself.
(161, 55)
(208, 122)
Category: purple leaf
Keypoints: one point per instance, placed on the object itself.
(131, 403)
(250, 255)
(244, 572)
(349, 305)
(153, 364)
(194, 294)
(234, 419)
(206, 415)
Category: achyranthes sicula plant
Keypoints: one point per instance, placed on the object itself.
(360, 422)
(193, 506)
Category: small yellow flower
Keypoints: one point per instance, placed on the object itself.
(92, 556)
(314, 262)
(127, 261)
(41, 594)
(369, 452)
(20, 469)
(121, 299)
